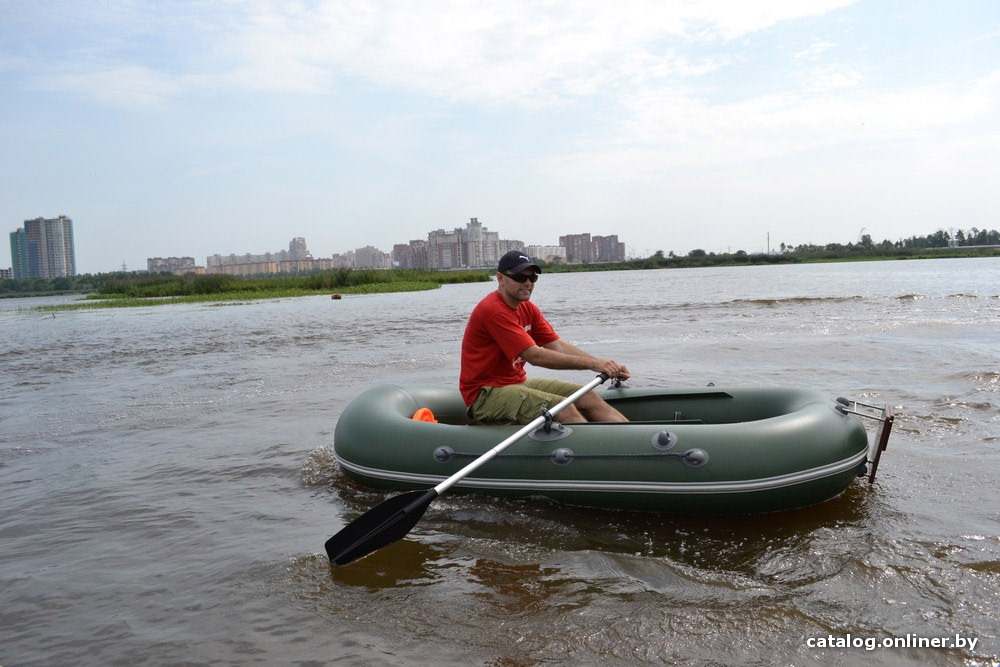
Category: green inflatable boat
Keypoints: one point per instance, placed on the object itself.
(702, 450)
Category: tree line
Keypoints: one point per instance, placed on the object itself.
(940, 243)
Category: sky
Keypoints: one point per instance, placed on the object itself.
(195, 128)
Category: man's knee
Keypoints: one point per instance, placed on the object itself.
(590, 401)
(570, 415)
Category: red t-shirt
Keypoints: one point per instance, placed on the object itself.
(495, 337)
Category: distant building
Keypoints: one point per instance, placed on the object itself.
(469, 247)
(579, 248)
(43, 248)
(297, 249)
(297, 259)
(420, 257)
(547, 253)
(272, 266)
(371, 257)
(480, 246)
(19, 253)
(6, 274)
(584, 249)
(242, 268)
(506, 245)
(412, 255)
(402, 256)
(607, 249)
(343, 261)
(444, 249)
(178, 265)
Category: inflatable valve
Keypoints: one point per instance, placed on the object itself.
(424, 415)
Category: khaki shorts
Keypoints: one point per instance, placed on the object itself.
(518, 403)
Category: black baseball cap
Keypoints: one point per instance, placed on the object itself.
(516, 261)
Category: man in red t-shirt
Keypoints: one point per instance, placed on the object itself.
(504, 332)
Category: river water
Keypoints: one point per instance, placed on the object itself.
(166, 482)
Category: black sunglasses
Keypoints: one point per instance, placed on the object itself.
(521, 277)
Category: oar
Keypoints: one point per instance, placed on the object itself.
(392, 520)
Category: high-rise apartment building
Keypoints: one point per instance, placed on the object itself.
(19, 253)
(584, 249)
(506, 245)
(608, 249)
(43, 248)
(412, 255)
(297, 249)
(402, 256)
(579, 249)
(472, 246)
(479, 245)
(371, 257)
(444, 249)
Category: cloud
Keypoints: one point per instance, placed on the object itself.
(118, 85)
(124, 85)
(830, 78)
(505, 53)
(729, 19)
(527, 54)
(12, 63)
(667, 129)
(814, 51)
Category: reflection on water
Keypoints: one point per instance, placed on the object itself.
(405, 563)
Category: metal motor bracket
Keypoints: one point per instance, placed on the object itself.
(880, 413)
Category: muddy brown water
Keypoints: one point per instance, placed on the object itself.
(167, 484)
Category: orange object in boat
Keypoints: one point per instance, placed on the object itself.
(424, 415)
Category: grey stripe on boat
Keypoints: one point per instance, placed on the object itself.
(763, 484)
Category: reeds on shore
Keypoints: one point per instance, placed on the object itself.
(130, 291)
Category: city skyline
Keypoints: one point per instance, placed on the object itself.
(298, 250)
(674, 125)
(473, 246)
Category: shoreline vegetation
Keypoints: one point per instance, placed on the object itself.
(138, 289)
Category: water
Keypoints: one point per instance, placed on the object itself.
(167, 487)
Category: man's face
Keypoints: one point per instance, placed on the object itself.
(515, 288)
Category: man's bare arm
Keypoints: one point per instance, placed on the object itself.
(560, 355)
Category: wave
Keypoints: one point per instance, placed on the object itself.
(938, 419)
(953, 403)
(320, 467)
(793, 300)
(983, 380)
(980, 376)
(624, 309)
(911, 297)
(988, 566)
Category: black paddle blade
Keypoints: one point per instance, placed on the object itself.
(379, 526)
